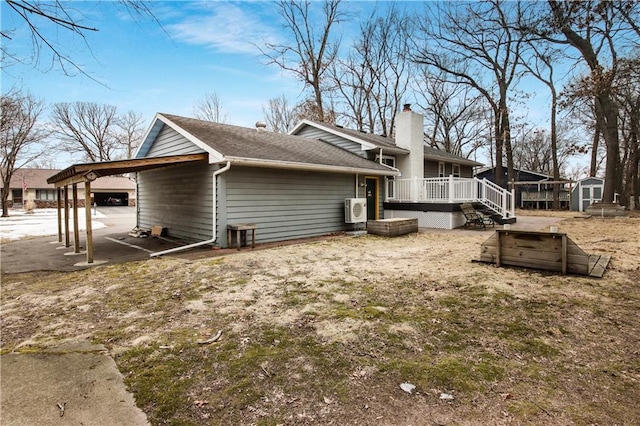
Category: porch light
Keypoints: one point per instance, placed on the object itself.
(91, 176)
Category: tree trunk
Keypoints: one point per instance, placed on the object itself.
(499, 174)
(554, 151)
(5, 200)
(613, 177)
(593, 168)
(506, 140)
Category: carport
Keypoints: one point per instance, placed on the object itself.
(87, 173)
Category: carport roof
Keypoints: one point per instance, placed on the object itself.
(77, 173)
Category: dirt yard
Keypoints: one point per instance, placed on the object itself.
(327, 332)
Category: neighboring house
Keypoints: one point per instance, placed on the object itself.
(531, 188)
(31, 184)
(586, 192)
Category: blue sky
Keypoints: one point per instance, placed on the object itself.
(200, 48)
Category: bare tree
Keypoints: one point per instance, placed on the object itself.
(87, 128)
(374, 77)
(309, 109)
(311, 52)
(20, 137)
(581, 110)
(210, 108)
(37, 15)
(476, 44)
(280, 117)
(628, 97)
(541, 66)
(536, 149)
(454, 114)
(129, 131)
(596, 30)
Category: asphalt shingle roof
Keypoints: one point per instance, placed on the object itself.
(390, 145)
(37, 179)
(246, 143)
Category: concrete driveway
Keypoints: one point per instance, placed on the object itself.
(110, 245)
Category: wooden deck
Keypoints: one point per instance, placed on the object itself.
(547, 251)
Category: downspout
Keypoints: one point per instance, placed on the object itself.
(386, 179)
(213, 215)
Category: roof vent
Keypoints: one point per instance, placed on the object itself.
(261, 126)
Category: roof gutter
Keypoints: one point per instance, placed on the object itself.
(274, 164)
(214, 229)
(399, 173)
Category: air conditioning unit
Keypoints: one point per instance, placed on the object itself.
(355, 210)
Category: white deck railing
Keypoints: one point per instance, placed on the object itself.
(452, 190)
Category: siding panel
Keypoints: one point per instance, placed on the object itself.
(169, 142)
(287, 204)
(178, 198)
(313, 133)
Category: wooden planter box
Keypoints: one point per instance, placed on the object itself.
(392, 227)
(541, 250)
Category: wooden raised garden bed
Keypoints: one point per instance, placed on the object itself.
(549, 251)
(392, 227)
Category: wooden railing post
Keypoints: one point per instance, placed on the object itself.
(87, 215)
(66, 216)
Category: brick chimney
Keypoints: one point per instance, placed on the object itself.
(410, 135)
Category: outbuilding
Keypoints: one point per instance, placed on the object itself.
(586, 192)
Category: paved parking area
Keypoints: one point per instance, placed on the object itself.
(110, 245)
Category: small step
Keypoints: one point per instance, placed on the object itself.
(497, 217)
(503, 220)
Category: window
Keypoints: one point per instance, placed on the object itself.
(455, 170)
(441, 170)
(387, 160)
(45, 194)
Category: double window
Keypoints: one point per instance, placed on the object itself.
(46, 194)
(442, 170)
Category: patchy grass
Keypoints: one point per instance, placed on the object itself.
(313, 335)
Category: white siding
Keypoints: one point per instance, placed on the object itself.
(287, 204)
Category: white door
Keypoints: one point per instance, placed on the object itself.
(589, 194)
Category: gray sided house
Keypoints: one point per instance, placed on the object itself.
(289, 186)
(425, 187)
(532, 189)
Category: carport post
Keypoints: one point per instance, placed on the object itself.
(66, 216)
(87, 214)
(59, 214)
(76, 236)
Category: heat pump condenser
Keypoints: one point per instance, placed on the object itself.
(355, 210)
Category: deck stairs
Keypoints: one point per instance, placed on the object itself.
(497, 217)
(495, 201)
